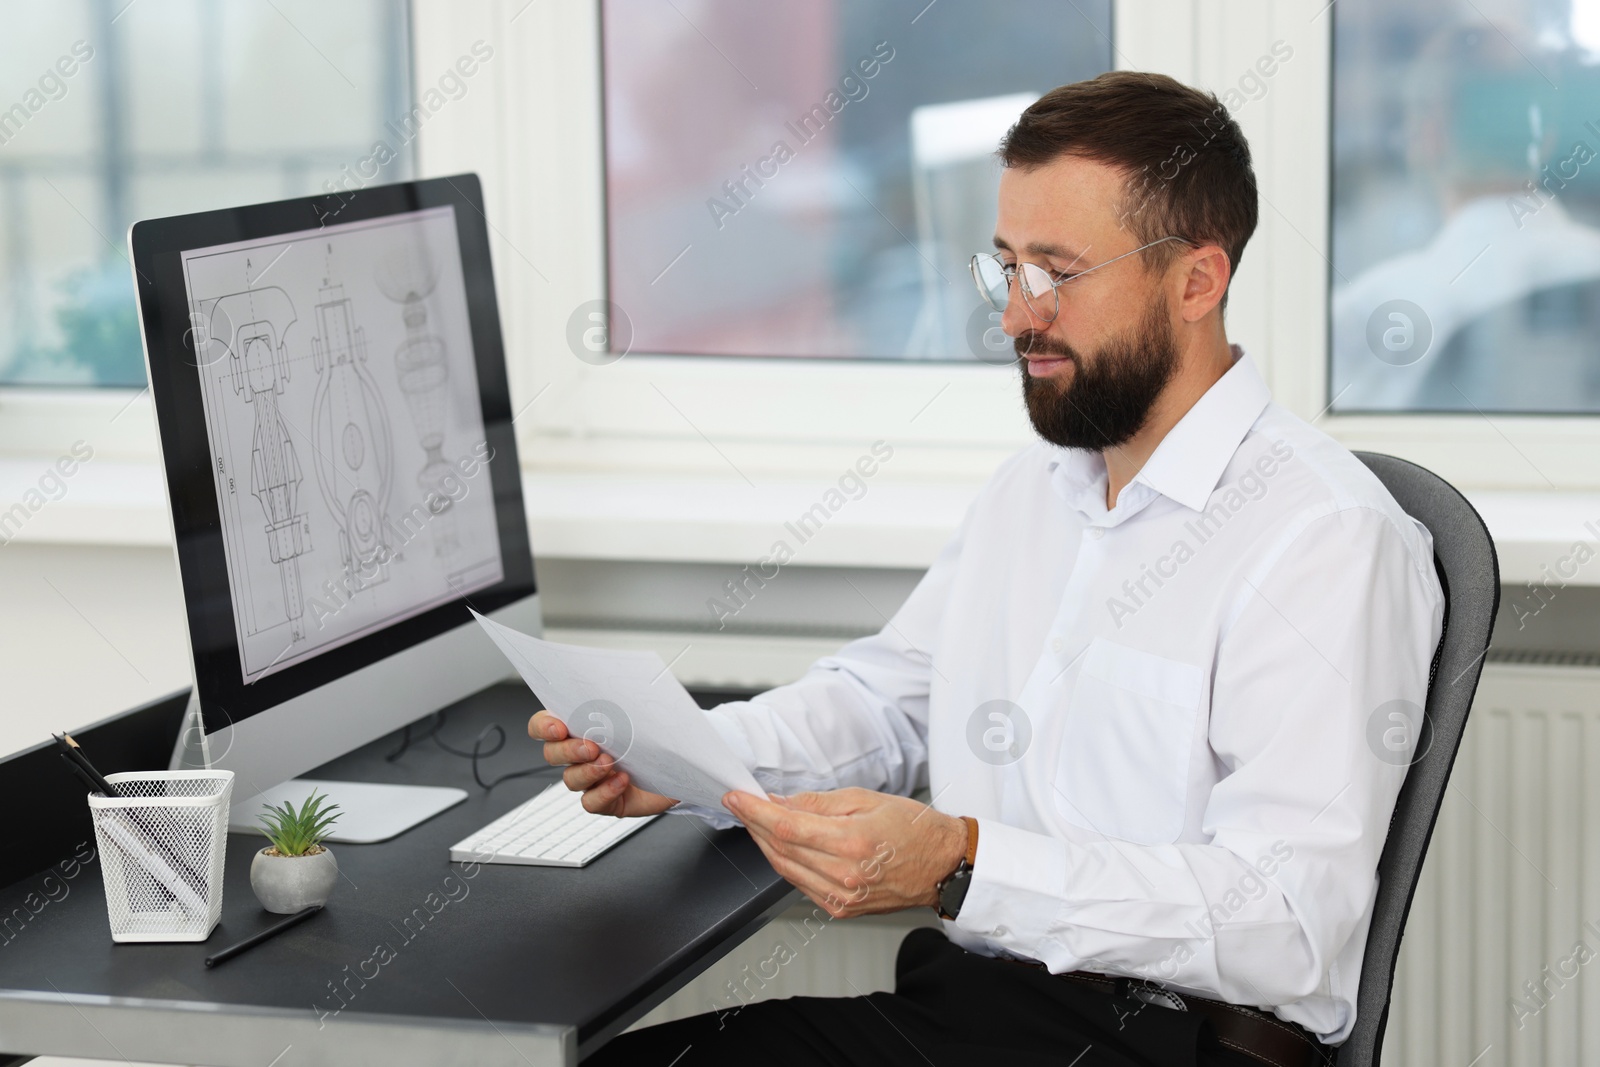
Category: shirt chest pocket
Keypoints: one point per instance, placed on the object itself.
(1123, 770)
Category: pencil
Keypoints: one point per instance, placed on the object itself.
(83, 775)
(73, 749)
(255, 939)
(159, 859)
(118, 834)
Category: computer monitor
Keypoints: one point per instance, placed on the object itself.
(335, 424)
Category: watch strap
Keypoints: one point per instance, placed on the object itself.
(952, 889)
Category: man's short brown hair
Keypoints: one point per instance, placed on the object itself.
(1184, 160)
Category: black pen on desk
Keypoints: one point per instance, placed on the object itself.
(255, 939)
(73, 750)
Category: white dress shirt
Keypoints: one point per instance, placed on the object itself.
(1162, 714)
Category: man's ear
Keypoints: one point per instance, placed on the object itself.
(1205, 283)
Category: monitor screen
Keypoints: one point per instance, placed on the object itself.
(347, 442)
(335, 418)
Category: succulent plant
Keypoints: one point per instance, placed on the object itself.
(298, 832)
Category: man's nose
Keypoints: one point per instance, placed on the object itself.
(1018, 318)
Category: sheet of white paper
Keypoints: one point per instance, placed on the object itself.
(630, 705)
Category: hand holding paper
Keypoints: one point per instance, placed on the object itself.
(631, 706)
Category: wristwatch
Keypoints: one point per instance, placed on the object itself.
(953, 890)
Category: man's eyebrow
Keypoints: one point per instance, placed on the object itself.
(1041, 248)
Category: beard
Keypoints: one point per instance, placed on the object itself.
(1109, 396)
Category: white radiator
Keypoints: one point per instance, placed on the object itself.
(1501, 959)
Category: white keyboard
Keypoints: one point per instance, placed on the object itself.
(551, 830)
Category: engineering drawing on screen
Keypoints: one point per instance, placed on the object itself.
(342, 357)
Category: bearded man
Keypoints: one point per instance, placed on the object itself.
(1136, 683)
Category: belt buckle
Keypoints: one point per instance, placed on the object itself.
(1148, 992)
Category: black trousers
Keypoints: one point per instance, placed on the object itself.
(949, 1006)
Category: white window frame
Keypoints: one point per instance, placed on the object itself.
(1278, 309)
(530, 126)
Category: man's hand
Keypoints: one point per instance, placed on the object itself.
(853, 851)
(606, 789)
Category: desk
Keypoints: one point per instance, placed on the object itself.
(512, 966)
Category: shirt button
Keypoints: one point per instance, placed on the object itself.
(1001, 931)
(1056, 645)
(1096, 532)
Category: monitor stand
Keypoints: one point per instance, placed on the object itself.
(369, 812)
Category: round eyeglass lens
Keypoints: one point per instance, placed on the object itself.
(1037, 290)
(990, 274)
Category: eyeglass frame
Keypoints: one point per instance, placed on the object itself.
(1011, 270)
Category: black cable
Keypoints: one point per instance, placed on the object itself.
(406, 740)
(477, 754)
(474, 754)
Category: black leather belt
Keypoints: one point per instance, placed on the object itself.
(1264, 1038)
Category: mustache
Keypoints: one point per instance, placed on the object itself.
(1039, 344)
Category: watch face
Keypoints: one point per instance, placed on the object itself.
(954, 891)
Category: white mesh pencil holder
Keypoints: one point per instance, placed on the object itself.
(162, 845)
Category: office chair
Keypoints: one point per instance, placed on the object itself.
(1470, 574)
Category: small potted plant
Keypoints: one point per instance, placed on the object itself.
(296, 870)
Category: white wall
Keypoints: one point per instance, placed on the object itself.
(85, 632)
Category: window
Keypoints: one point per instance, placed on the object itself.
(809, 178)
(115, 111)
(1465, 207)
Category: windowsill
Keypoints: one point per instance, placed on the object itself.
(570, 516)
(614, 517)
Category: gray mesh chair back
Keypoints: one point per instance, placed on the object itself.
(1470, 574)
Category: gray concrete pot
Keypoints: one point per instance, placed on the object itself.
(287, 884)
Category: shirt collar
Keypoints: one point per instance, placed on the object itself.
(1188, 463)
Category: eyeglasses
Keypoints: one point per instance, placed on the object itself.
(993, 277)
